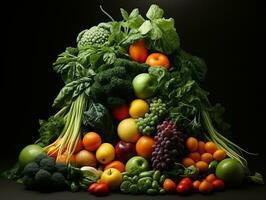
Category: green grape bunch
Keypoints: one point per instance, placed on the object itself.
(157, 111)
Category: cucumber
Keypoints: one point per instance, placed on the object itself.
(124, 187)
(162, 178)
(146, 174)
(155, 184)
(152, 191)
(135, 179)
(144, 184)
(156, 175)
(133, 189)
(162, 191)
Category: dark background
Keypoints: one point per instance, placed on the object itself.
(228, 34)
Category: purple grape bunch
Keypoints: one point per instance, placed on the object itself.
(168, 147)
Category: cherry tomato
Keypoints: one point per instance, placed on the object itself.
(101, 189)
(182, 188)
(186, 181)
(218, 184)
(92, 187)
(196, 185)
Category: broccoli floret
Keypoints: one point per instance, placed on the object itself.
(48, 164)
(132, 68)
(62, 168)
(31, 169)
(58, 181)
(105, 77)
(40, 157)
(94, 36)
(43, 178)
(113, 82)
(29, 182)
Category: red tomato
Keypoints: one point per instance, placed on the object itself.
(218, 184)
(91, 188)
(101, 189)
(182, 188)
(186, 181)
(138, 52)
(121, 112)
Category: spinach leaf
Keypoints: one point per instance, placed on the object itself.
(98, 118)
(72, 90)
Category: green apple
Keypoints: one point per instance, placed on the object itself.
(144, 85)
(29, 153)
(137, 164)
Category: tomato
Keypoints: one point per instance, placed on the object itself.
(121, 112)
(205, 187)
(210, 178)
(91, 188)
(138, 52)
(158, 59)
(182, 189)
(169, 185)
(186, 181)
(231, 171)
(79, 146)
(101, 189)
(218, 184)
(196, 185)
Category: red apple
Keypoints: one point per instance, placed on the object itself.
(124, 151)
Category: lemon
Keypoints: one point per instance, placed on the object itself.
(138, 108)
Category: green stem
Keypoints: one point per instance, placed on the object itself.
(229, 147)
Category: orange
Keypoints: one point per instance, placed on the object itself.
(201, 147)
(86, 158)
(117, 165)
(219, 155)
(210, 147)
(194, 156)
(138, 52)
(158, 59)
(206, 157)
(91, 141)
(188, 162)
(202, 166)
(144, 146)
(192, 144)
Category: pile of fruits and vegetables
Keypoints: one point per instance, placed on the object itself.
(133, 118)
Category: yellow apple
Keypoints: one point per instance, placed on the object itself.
(112, 177)
(105, 153)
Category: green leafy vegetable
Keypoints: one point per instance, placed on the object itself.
(50, 130)
(99, 119)
(160, 33)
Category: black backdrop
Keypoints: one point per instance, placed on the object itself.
(227, 34)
